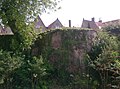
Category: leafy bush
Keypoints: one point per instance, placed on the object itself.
(104, 59)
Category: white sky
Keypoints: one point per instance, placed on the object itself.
(76, 10)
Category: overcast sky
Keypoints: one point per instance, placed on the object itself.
(76, 10)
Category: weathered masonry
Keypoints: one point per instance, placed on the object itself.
(66, 47)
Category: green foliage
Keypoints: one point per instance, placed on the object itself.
(4, 41)
(27, 9)
(30, 74)
(18, 68)
(102, 62)
(17, 14)
(36, 67)
(8, 64)
(104, 59)
(60, 61)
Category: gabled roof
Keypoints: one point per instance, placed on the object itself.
(39, 24)
(5, 31)
(89, 24)
(55, 24)
(8, 30)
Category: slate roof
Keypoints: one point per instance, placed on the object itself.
(39, 24)
(55, 24)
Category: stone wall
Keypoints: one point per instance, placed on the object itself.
(67, 47)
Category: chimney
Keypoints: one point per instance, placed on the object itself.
(100, 20)
(83, 19)
(69, 23)
(93, 19)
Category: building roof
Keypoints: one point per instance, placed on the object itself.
(5, 31)
(99, 23)
(8, 30)
(89, 24)
(39, 24)
(55, 24)
(113, 22)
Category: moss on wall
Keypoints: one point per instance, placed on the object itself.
(66, 44)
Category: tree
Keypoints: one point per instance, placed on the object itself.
(16, 61)
(18, 13)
